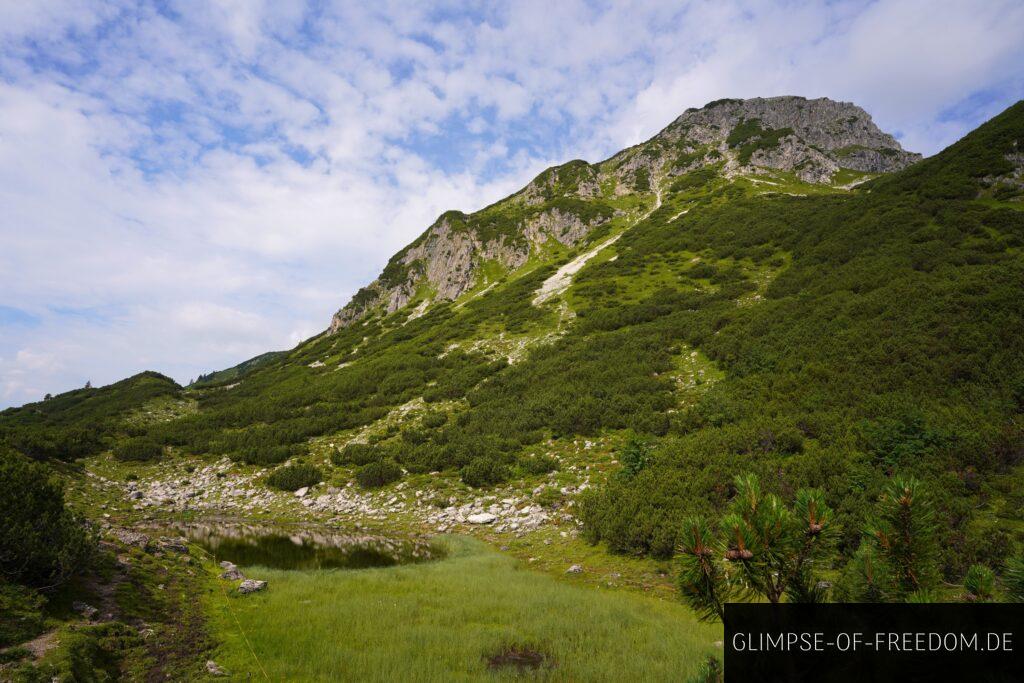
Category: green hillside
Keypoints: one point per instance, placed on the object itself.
(716, 318)
(833, 336)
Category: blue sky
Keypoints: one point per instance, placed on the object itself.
(186, 184)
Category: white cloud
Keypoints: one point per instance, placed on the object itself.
(183, 190)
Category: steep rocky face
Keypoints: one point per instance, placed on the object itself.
(442, 264)
(812, 139)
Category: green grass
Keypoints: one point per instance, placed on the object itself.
(439, 622)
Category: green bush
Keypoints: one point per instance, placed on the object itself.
(434, 419)
(21, 616)
(634, 456)
(980, 584)
(484, 472)
(1014, 579)
(42, 543)
(550, 497)
(357, 454)
(539, 464)
(294, 477)
(379, 473)
(138, 449)
(415, 437)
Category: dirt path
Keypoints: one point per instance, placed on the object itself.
(41, 645)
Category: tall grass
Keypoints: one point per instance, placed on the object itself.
(440, 621)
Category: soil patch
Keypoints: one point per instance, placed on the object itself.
(518, 657)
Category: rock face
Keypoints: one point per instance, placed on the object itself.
(813, 139)
(445, 260)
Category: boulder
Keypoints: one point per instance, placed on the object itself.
(177, 545)
(251, 586)
(302, 492)
(482, 518)
(87, 611)
(575, 569)
(132, 538)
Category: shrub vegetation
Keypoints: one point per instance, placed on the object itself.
(378, 473)
(294, 477)
(42, 543)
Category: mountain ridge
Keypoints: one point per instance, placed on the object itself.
(813, 139)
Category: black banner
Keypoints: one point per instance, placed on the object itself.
(865, 643)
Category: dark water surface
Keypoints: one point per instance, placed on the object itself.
(304, 549)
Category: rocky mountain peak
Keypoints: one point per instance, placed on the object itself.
(813, 140)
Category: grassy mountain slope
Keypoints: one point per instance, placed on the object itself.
(86, 421)
(745, 319)
(228, 374)
(743, 303)
(815, 141)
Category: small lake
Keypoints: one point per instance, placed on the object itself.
(305, 548)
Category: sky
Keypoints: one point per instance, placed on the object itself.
(187, 184)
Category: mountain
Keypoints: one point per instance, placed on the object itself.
(768, 286)
(816, 141)
(220, 376)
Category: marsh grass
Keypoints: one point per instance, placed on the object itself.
(444, 621)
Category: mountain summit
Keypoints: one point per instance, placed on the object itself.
(816, 141)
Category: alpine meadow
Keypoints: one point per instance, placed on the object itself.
(767, 355)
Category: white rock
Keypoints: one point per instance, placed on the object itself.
(481, 518)
(301, 492)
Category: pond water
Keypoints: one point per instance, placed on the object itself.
(304, 549)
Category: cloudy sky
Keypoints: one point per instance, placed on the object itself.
(186, 184)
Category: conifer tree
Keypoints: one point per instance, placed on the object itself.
(763, 549)
(898, 557)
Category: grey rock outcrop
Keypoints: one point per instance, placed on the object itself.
(231, 572)
(251, 586)
(133, 538)
(814, 138)
(447, 258)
